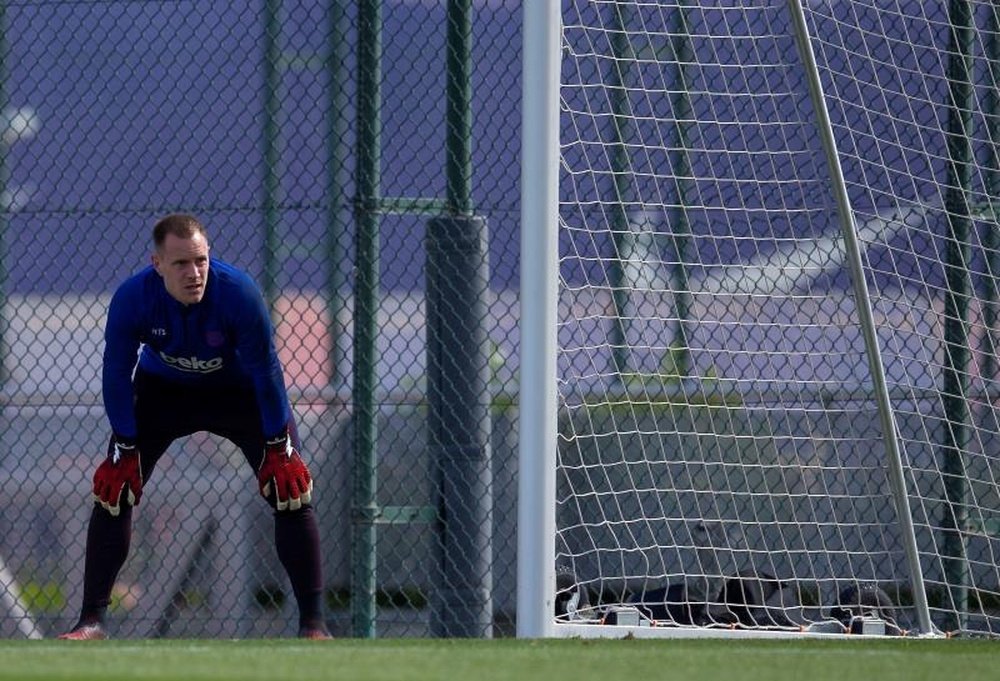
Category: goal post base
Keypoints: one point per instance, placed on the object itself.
(818, 630)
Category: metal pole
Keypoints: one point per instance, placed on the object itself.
(3, 187)
(459, 424)
(955, 382)
(991, 240)
(621, 124)
(537, 414)
(458, 94)
(337, 153)
(845, 214)
(458, 366)
(365, 507)
(271, 152)
(681, 228)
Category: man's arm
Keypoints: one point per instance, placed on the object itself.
(283, 477)
(121, 346)
(118, 479)
(259, 358)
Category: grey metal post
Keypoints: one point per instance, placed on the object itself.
(845, 214)
(458, 397)
(459, 424)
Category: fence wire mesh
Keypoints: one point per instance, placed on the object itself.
(245, 114)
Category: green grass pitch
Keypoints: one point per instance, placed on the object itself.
(503, 659)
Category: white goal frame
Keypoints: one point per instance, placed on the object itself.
(536, 574)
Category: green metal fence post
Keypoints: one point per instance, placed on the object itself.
(337, 155)
(365, 505)
(271, 150)
(681, 228)
(991, 240)
(3, 188)
(956, 303)
(621, 129)
(458, 96)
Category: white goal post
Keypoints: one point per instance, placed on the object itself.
(759, 311)
(536, 509)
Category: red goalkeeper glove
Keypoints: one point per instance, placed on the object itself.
(118, 474)
(284, 468)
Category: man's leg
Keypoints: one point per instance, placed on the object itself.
(109, 537)
(108, 541)
(296, 541)
(234, 416)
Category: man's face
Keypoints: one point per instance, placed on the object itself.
(183, 264)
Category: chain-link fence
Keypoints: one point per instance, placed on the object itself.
(318, 142)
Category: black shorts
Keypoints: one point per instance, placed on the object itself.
(166, 411)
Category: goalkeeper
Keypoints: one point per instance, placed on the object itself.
(206, 362)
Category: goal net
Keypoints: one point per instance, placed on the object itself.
(775, 367)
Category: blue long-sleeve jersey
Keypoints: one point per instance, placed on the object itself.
(225, 339)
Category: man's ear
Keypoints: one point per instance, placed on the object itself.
(155, 259)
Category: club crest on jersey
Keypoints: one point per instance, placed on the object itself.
(192, 364)
(215, 338)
